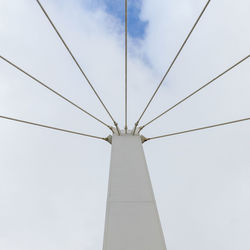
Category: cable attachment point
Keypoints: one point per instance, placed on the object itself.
(108, 139)
(140, 128)
(144, 139)
(126, 129)
(135, 127)
(112, 129)
(117, 128)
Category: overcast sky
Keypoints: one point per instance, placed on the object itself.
(53, 185)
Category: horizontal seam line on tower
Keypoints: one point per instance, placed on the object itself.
(152, 201)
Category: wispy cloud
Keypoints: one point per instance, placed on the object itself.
(53, 186)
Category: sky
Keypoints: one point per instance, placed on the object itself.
(53, 185)
(136, 26)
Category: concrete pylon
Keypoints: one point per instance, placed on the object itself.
(132, 221)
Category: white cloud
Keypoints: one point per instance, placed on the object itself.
(53, 186)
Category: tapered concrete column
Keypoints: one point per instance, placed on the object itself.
(132, 221)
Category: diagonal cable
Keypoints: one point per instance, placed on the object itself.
(55, 92)
(197, 129)
(171, 65)
(196, 91)
(78, 65)
(54, 128)
(126, 66)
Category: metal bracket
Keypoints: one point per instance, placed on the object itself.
(143, 139)
(109, 139)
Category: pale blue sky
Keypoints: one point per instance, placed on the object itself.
(53, 186)
(136, 26)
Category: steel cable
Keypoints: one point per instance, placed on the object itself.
(193, 93)
(171, 65)
(55, 92)
(78, 65)
(54, 128)
(126, 66)
(196, 129)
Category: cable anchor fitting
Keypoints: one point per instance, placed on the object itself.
(117, 128)
(136, 124)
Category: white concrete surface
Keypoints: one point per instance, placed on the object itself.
(132, 220)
